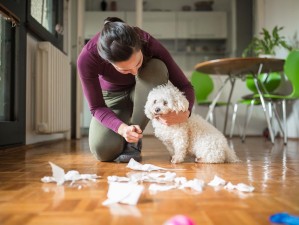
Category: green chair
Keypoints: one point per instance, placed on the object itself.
(269, 83)
(203, 86)
(291, 70)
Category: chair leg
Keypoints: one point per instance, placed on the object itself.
(271, 116)
(209, 116)
(270, 112)
(213, 104)
(282, 129)
(233, 120)
(214, 118)
(284, 115)
(247, 119)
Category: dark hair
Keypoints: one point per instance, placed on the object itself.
(118, 40)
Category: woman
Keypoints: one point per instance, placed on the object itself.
(118, 67)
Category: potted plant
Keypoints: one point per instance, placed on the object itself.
(266, 44)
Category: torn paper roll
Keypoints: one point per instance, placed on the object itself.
(194, 184)
(217, 181)
(59, 176)
(155, 177)
(117, 179)
(240, 187)
(126, 193)
(153, 188)
(134, 165)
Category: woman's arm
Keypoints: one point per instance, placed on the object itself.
(88, 67)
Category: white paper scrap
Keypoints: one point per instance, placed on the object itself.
(217, 181)
(153, 188)
(48, 179)
(229, 186)
(180, 180)
(154, 177)
(136, 177)
(161, 177)
(59, 176)
(127, 193)
(240, 187)
(58, 173)
(245, 187)
(134, 165)
(117, 179)
(194, 184)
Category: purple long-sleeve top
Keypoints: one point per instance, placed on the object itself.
(96, 75)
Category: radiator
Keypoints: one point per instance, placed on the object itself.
(53, 90)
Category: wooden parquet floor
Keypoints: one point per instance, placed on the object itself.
(24, 200)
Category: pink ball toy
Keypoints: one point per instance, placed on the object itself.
(179, 220)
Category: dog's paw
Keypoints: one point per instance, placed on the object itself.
(176, 159)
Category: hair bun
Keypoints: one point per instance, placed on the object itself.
(112, 19)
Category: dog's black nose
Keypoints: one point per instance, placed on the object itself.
(157, 110)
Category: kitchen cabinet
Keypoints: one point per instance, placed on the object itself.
(190, 37)
(166, 25)
(94, 21)
(201, 25)
(161, 25)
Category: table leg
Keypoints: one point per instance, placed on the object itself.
(256, 82)
(213, 104)
(284, 121)
(232, 81)
(283, 128)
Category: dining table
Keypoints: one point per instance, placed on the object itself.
(239, 68)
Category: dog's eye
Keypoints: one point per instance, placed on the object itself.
(165, 102)
(155, 101)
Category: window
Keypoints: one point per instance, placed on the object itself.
(6, 68)
(43, 12)
(44, 19)
(12, 72)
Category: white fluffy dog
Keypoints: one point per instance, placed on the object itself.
(196, 136)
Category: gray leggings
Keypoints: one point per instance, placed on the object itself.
(128, 105)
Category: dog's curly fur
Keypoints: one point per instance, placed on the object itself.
(196, 137)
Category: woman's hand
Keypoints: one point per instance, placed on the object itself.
(173, 118)
(131, 133)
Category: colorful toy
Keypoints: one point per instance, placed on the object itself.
(179, 220)
(284, 218)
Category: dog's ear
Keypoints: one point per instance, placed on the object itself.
(178, 100)
(147, 108)
(181, 103)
